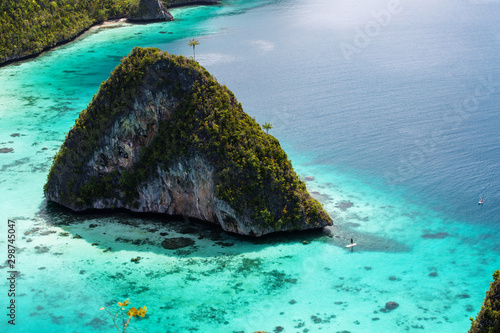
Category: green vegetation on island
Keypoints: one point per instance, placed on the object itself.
(488, 319)
(29, 26)
(252, 172)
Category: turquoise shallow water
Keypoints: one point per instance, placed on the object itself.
(405, 128)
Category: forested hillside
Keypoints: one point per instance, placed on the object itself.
(488, 319)
(29, 26)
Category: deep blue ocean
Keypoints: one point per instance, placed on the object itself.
(392, 106)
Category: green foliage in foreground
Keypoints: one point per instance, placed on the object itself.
(29, 26)
(488, 319)
(252, 172)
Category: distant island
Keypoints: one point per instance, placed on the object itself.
(488, 319)
(163, 136)
(28, 27)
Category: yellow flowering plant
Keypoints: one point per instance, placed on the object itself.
(132, 312)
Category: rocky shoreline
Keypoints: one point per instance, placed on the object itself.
(172, 4)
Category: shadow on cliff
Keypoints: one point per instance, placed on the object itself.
(117, 230)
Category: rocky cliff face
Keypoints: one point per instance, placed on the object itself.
(163, 136)
(150, 10)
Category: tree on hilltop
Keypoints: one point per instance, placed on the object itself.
(193, 42)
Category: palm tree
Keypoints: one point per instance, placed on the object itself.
(193, 42)
(267, 127)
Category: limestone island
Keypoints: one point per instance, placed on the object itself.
(163, 136)
(150, 10)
